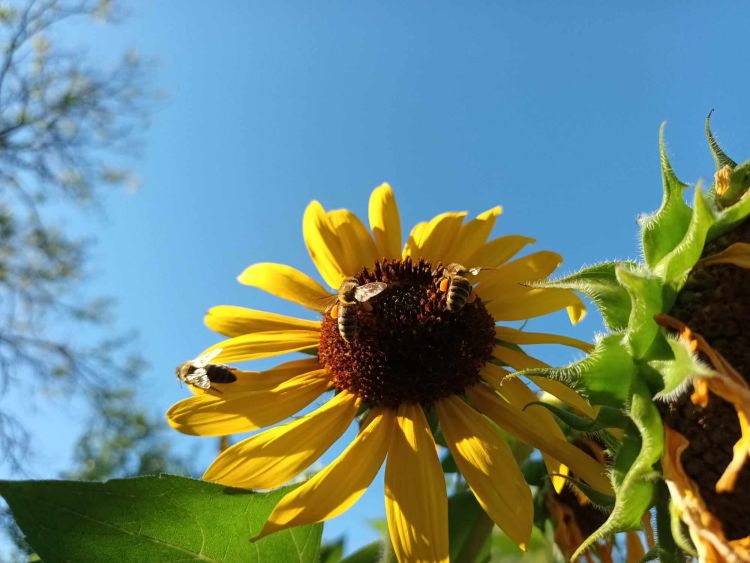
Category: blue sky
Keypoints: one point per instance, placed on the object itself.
(550, 109)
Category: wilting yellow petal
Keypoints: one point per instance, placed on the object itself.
(385, 222)
(529, 268)
(271, 458)
(529, 429)
(286, 282)
(357, 246)
(472, 237)
(487, 464)
(222, 415)
(416, 502)
(536, 302)
(337, 487)
(497, 251)
(263, 345)
(323, 245)
(737, 254)
(507, 334)
(235, 321)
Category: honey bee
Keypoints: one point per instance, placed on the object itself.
(346, 303)
(457, 287)
(201, 373)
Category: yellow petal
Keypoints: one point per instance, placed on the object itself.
(439, 236)
(222, 415)
(268, 379)
(530, 268)
(385, 222)
(286, 282)
(516, 359)
(416, 502)
(271, 458)
(323, 245)
(235, 321)
(737, 254)
(528, 428)
(487, 464)
(472, 237)
(536, 302)
(414, 242)
(358, 249)
(497, 251)
(517, 394)
(565, 394)
(336, 488)
(263, 345)
(507, 334)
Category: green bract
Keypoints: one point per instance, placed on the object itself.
(638, 362)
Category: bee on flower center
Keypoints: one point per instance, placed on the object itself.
(347, 301)
(457, 287)
(201, 373)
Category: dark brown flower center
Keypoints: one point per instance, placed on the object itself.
(408, 348)
(715, 302)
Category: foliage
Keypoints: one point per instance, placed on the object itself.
(66, 128)
(153, 519)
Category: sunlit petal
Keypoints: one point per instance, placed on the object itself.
(498, 251)
(235, 321)
(415, 496)
(472, 237)
(271, 458)
(286, 282)
(357, 246)
(264, 344)
(487, 464)
(324, 247)
(507, 334)
(385, 222)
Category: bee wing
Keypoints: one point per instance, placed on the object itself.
(475, 271)
(205, 359)
(368, 291)
(199, 379)
(329, 301)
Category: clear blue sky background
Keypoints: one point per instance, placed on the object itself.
(551, 109)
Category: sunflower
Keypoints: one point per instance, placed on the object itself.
(411, 360)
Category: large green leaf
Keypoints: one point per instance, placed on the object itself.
(152, 519)
(662, 231)
(469, 528)
(599, 284)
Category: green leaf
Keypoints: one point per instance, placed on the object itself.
(332, 552)
(645, 293)
(676, 265)
(152, 519)
(636, 486)
(679, 370)
(469, 528)
(599, 284)
(604, 376)
(664, 229)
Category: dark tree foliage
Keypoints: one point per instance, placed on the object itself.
(67, 130)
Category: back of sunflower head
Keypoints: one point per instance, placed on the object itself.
(659, 362)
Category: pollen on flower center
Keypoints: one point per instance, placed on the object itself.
(408, 347)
